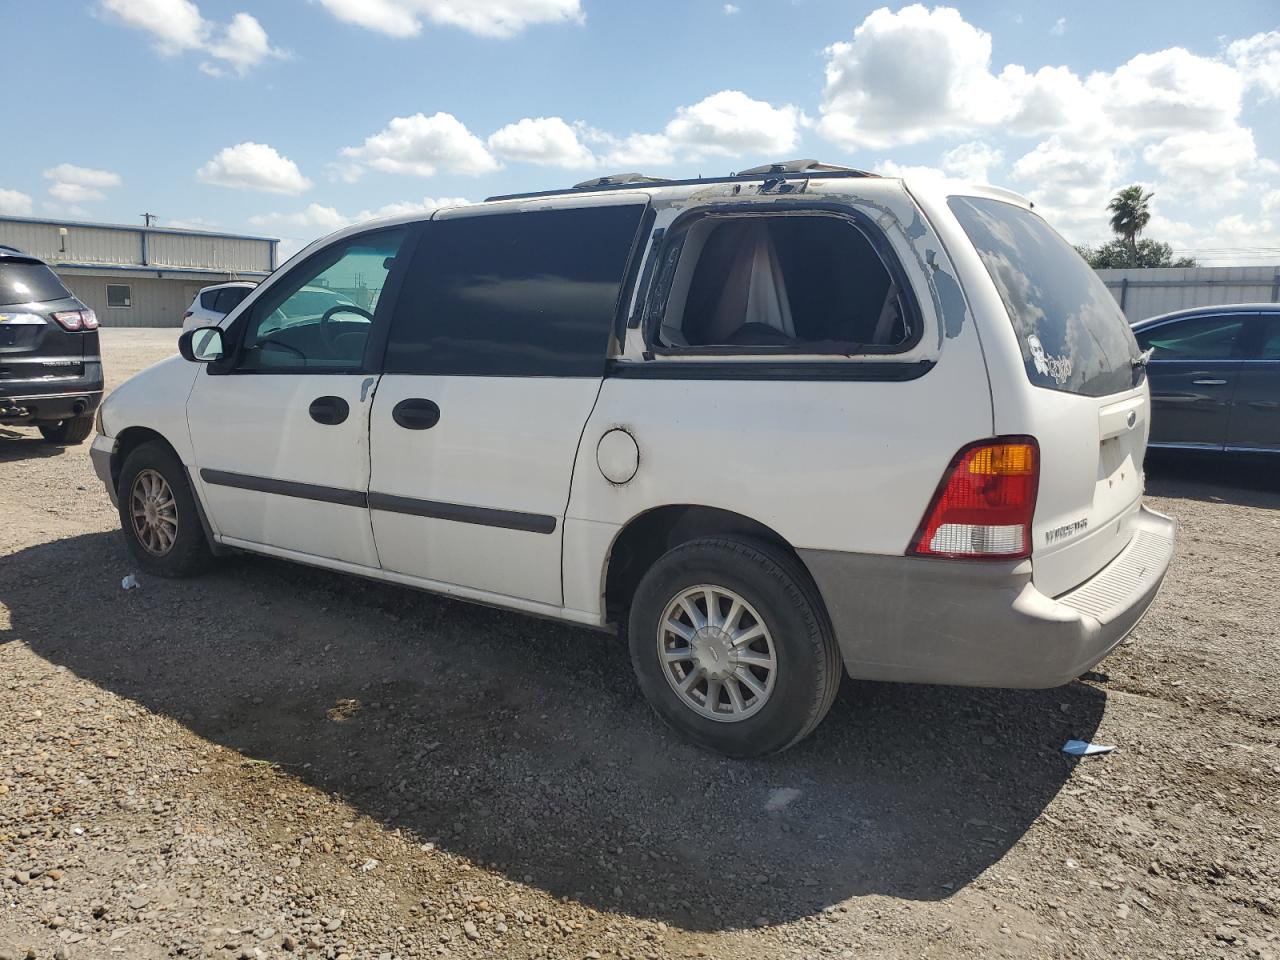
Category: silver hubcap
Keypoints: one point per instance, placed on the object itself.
(717, 653)
(154, 512)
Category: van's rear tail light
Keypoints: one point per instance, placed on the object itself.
(74, 320)
(984, 504)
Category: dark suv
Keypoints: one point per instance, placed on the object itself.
(50, 369)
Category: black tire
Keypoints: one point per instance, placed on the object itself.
(808, 663)
(70, 431)
(188, 553)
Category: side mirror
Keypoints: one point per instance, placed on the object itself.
(202, 345)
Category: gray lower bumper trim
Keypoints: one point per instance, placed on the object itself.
(979, 624)
(100, 453)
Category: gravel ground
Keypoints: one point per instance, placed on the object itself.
(275, 761)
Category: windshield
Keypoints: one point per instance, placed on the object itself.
(1073, 334)
(25, 281)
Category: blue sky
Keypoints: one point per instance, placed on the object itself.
(291, 117)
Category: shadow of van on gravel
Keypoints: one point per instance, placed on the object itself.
(525, 745)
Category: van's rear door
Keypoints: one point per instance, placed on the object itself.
(1085, 399)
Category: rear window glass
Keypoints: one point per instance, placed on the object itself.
(23, 281)
(209, 299)
(1073, 334)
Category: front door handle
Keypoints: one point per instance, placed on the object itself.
(416, 413)
(329, 411)
(1208, 383)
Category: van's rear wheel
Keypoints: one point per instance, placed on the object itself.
(732, 647)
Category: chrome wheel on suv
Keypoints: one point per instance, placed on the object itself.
(155, 513)
(717, 652)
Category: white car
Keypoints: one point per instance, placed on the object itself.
(213, 303)
(771, 428)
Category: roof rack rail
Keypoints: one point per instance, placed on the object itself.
(617, 179)
(799, 166)
(624, 181)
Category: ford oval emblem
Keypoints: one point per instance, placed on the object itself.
(1132, 418)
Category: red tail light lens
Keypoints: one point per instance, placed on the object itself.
(984, 505)
(75, 320)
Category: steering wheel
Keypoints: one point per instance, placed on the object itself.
(326, 331)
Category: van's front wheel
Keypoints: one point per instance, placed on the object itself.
(732, 647)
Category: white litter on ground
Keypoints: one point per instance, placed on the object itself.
(130, 583)
(1082, 748)
(781, 798)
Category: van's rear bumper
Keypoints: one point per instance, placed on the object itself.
(985, 624)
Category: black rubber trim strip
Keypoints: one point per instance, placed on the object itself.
(484, 516)
(285, 488)
(797, 370)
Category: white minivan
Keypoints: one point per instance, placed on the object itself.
(772, 428)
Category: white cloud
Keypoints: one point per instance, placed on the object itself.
(254, 166)
(972, 161)
(916, 74)
(487, 18)
(75, 185)
(1059, 27)
(730, 9)
(1209, 167)
(547, 141)
(909, 76)
(178, 26)
(242, 46)
(1070, 184)
(1258, 60)
(315, 216)
(14, 203)
(423, 145)
(731, 124)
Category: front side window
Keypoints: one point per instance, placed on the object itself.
(793, 283)
(118, 295)
(529, 294)
(1196, 338)
(320, 316)
(1073, 335)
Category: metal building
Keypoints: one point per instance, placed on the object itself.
(139, 276)
(1146, 293)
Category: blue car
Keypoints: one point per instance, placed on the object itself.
(1215, 378)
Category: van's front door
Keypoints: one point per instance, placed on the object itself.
(281, 437)
(493, 364)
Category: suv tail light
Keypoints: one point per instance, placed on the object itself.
(75, 320)
(984, 504)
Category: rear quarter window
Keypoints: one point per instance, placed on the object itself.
(1073, 335)
(27, 281)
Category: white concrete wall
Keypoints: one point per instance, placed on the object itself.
(1146, 293)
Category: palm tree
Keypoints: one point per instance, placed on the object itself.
(1130, 214)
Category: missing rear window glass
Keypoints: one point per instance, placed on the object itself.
(792, 283)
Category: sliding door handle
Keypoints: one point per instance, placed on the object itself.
(416, 413)
(329, 411)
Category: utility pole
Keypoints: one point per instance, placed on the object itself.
(149, 219)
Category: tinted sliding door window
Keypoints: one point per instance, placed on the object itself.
(319, 316)
(1197, 338)
(530, 294)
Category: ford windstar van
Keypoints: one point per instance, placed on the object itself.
(771, 428)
